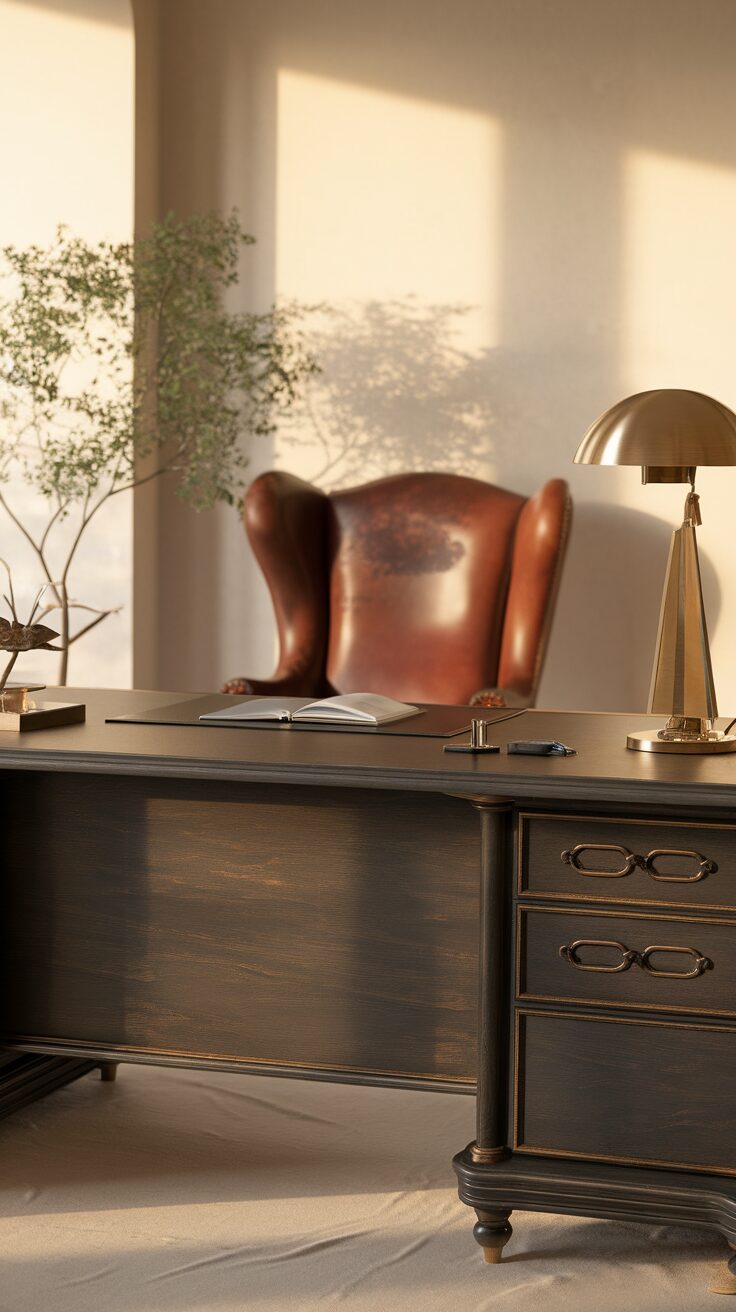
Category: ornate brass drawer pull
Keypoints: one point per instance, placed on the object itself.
(630, 957)
(705, 867)
(700, 964)
(633, 861)
(572, 858)
(570, 950)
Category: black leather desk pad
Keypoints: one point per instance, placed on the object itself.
(436, 722)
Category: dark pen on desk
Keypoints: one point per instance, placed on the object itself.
(551, 748)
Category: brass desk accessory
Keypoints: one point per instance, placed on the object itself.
(669, 433)
(18, 712)
(478, 740)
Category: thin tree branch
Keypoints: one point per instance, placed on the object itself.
(81, 605)
(93, 623)
(59, 510)
(76, 541)
(31, 540)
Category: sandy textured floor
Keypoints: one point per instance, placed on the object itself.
(180, 1190)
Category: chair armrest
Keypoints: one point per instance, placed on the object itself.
(286, 686)
(498, 697)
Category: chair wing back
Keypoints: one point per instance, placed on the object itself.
(424, 587)
(286, 521)
(539, 554)
(419, 566)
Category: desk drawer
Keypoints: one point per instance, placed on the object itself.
(618, 959)
(627, 861)
(651, 1093)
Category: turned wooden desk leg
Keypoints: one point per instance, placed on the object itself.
(108, 1071)
(492, 1230)
(726, 1283)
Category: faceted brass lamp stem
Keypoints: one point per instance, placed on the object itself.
(682, 678)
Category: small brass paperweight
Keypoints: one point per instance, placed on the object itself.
(20, 712)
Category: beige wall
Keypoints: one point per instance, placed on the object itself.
(66, 156)
(519, 213)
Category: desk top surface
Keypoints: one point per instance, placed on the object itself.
(603, 770)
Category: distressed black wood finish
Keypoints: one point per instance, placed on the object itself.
(621, 1081)
(602, 772)
(293, 903)
(311, 928)
(627, 1090)
(493, 976)
(683, 945)
(672, 880)
(616, 1193)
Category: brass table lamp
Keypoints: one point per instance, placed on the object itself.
(669, 433)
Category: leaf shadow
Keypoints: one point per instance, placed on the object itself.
(402, 387)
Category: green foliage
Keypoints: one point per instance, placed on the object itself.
(120, 362)
(117, 351)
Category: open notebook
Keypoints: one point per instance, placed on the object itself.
(354, 708)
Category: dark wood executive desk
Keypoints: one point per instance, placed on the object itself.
(308, 904)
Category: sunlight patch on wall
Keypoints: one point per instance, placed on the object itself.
(680, 275)
(679, 330)
(66, 157)
(66, 110)
(388, 213)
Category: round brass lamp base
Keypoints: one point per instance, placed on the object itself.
(646, 740)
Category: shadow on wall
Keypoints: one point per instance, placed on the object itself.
(398, 391)
(604, 644)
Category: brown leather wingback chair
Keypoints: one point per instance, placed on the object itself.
(427, 587)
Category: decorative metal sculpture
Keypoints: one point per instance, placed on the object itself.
(17, 637)
(18, 712)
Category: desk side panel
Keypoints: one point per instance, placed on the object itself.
(305, 927)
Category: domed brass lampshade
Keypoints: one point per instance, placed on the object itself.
(666, 430)
(669, 433)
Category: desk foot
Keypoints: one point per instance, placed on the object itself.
(725, 1283)
(109, 1071)
(652, 1196)
(492, 1231)
(24, 1077)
